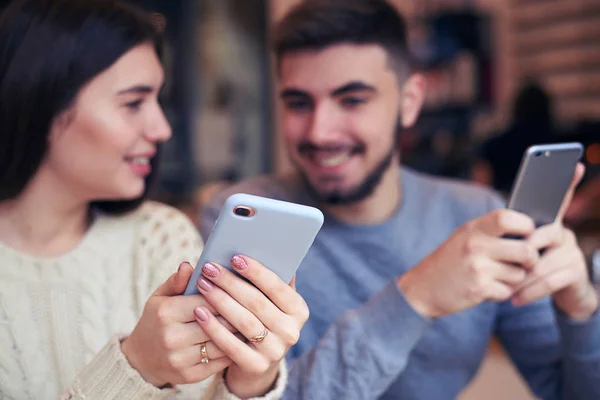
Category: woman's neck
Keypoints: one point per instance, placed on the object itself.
(45, 220)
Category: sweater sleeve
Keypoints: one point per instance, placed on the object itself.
(163, 239)
(558, 357)
(109, 376)
(362, 353)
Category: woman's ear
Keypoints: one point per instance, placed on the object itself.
(60, 123)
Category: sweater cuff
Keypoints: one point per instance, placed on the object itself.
(218, 389)
(391, 323)
(110, 376)
(579, 338)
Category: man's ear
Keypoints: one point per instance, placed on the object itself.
(412, 98)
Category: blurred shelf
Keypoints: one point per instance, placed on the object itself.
(549, 14)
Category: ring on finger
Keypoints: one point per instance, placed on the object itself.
(203, 353)
(260, 337)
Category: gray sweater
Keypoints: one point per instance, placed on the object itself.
(364, 341)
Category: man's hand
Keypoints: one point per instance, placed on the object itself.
(475, 264)
(562, 271)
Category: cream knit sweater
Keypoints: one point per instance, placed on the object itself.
(61, 318)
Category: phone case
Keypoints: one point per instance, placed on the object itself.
(543, 179)
(278, 235)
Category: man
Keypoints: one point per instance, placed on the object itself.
(410, 276)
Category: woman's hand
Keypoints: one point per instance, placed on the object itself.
(165, 346)
(269, 316)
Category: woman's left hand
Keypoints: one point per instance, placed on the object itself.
(270, 316)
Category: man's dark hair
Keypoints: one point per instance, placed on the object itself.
(50, 49)
(317, 24)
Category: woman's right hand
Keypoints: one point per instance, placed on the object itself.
(165, 347)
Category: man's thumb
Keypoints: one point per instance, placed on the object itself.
(177, 282)
(577, 177)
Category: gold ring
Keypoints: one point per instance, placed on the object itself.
(259, 338)
(203, 353)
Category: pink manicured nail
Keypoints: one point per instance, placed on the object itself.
(201, 314)
(205, 285)
(210, 270)
(239, 263)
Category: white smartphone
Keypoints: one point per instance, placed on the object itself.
(543, 180)
(276, 233)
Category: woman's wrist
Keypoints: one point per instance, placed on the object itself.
(245, 385)
(129, 353)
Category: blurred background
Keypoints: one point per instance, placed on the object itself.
(502, 75)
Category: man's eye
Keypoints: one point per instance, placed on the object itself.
(297, 104)
(352, 101)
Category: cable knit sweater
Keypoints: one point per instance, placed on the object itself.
(61, 318)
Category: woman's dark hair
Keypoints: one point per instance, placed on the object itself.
(49, 49)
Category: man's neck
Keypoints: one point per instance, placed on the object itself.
(376, 208)
(45, 219)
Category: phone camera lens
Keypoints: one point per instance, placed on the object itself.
(538, 153)
(243, 211)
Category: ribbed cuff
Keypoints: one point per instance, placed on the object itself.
(218, 389)
(391, 323)
(579, 338)
(110, 376)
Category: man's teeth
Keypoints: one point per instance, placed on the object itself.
(332, 161)
(140, 160)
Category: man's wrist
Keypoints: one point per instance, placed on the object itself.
(586, 307)
(414, 296)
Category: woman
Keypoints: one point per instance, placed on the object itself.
(83, 256)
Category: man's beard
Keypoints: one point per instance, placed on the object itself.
(365, 188)
(353, 195)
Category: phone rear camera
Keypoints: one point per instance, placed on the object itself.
(538, 153)
(243, 211)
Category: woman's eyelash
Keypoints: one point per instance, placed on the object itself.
(134, 105)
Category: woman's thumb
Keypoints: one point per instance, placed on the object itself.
(177, 282)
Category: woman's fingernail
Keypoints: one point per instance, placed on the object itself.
(210, 270)
(201, 314)
(205, 285)
(180, 266)
(239, 263)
